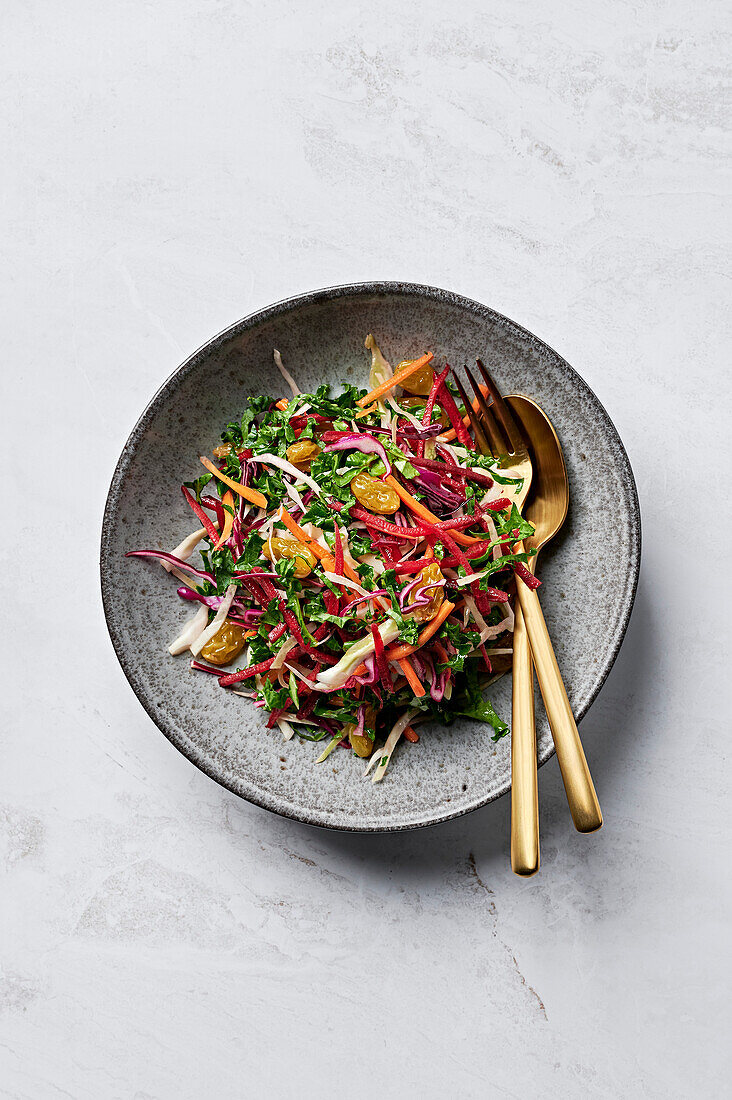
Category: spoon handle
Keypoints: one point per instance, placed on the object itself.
(583, 804)
(524, 792)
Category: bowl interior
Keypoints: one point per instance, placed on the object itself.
(589, 571)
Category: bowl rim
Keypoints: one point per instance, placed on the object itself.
(261, 316)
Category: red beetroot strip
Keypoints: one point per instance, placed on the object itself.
(214, 505)
(264, 666)
(338, 551)
(376, 523)
(205, 521)
(527, 577)
(245, 673)
(447, 402)
(450, 470)
(486, 658)
(380, 657)
(430, 404)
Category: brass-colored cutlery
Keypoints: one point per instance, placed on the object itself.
(511, 434)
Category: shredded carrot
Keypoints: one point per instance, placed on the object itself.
(440, 651)
(327, 559)
(411, 676)
(252, 495)
(360, 670)
(396, 379)
(411, 735)
(424, 513)
(397, 653)
(448, 436)
(227, 501)
(282, 404)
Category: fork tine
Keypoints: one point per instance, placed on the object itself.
(500, 445)
(509, 425)
(480, 438)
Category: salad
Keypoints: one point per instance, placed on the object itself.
(357, 561)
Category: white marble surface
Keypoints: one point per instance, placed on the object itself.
(169, 167)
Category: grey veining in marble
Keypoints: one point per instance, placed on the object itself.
(168, 168)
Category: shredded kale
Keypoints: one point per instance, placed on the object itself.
(197, 486)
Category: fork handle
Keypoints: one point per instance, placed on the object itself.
(583, 804)
(524, 791)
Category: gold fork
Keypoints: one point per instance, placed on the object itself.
(512, 450)
(581, 794)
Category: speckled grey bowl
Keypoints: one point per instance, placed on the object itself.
(590, 571)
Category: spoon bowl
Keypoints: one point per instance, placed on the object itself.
(547, 502)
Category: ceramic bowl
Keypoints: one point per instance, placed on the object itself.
(589, 571)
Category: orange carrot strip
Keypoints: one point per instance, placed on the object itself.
(252, 495)
(228, 499)
(411, 735)
(282, 404)
(396, 379)
(424, 513)
(411, 676)
(448, 436)
(327, 559)
(359, 670)
(397, 653)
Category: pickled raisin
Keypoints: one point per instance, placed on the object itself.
(374, 494)
(429, 575)
(361, 744)
(225, 645)
(302, 453)
(420, 382)
(276, 548)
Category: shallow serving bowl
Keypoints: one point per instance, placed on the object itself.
(590, 571)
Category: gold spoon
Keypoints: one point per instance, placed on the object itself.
(546, 508)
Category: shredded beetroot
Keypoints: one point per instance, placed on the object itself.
(495, 595)
(486, 658)
(308, 706)
(378, 524)
(381, 662)
(245, 673)
(205, 521)
(338, 551)
(205, 668)
(413, 566)
(430, 404)
(453, 471)
(447, 401)
(526, 576)
(331, 602)
(276, 632)
(215, 506)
